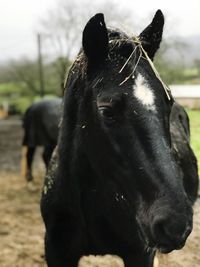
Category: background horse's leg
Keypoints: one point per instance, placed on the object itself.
(48, 150)
(24, 161)
(29, 157)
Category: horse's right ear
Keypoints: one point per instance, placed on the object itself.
(95, 39)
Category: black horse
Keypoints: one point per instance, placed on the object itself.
(117, 182)
(40, 125)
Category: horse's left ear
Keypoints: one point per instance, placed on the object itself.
(95, 39)
(152, 35)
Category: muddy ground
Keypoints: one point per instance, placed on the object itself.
(21, 228)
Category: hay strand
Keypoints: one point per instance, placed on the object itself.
(142, 51)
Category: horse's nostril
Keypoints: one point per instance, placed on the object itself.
(158, 229)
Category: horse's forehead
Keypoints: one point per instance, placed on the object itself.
(143, 92)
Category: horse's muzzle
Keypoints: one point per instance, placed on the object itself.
(171, 232)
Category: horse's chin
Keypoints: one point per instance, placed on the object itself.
(165, 250)
(168, 249)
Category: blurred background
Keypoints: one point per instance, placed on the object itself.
(39, 41)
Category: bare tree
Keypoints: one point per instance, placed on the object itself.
(64, 23)
(26, 72)
(197, 65)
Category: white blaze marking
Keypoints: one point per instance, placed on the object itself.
(143, 93)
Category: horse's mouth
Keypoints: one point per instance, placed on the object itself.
(170, 247)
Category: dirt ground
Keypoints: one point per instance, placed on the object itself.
(21, 228)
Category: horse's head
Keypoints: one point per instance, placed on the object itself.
(124, 114)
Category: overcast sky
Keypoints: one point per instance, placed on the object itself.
(19, 21)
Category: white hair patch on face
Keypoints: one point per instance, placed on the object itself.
(143, 93)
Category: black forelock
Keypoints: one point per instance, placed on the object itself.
(120, 44)
(114, 33)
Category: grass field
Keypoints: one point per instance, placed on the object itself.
(194, 116)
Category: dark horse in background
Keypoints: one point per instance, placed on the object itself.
(123, 177)
(40, 125)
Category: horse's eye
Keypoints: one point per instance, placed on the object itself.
(106, 112)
